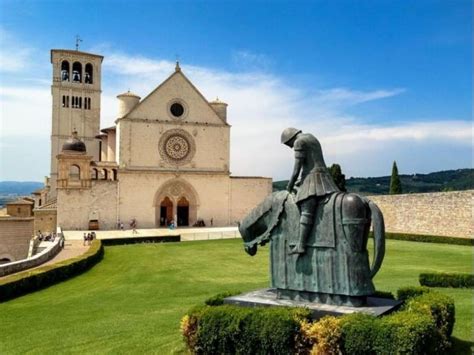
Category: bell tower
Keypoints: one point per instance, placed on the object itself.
(76, 91)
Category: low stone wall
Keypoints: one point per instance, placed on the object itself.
(47, 254)
(439, 213)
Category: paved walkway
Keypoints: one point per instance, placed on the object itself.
(72, 248)
(186, 234)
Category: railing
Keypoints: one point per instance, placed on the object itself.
(233, 234)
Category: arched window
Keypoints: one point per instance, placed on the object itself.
(73, 102)
(88, 74)
(64, 100)
(74, 173)
(67, 101)
(65, 70)
(77, 72)
(80, 102)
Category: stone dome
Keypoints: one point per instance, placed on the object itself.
(74, 144)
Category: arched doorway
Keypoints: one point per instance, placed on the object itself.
(181, 198)
(166, 211)
(183, 212)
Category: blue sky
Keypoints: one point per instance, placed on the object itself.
(375, 81)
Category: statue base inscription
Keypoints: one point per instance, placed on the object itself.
(269, 298)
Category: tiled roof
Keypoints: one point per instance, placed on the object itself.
(50, 205)
(21, 201)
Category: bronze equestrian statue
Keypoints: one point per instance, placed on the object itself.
(318, 235)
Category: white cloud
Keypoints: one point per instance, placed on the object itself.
(344, 96)
(261, 105)
(250, 61)
(15, 56)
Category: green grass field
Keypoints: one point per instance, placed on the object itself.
(133, 300)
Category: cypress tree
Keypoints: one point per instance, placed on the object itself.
(338, 177)
(395, 183)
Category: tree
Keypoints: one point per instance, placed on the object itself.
(395, 183)
(338, 177)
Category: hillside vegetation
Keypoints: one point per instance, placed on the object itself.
(449, 180)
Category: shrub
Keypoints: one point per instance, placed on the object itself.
(231, 329)
(218, 299)
(447, 280)
(405, 293)
(428, 238)
(422, 326)
(322, 337)
(441, 309)
(404, 333)
(31, 280)
(358, 331)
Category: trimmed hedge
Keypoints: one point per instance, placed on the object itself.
(28, 281)
(447, 280)
(142, 240)
(405, 293)
(422, 326)
(428, 238)
(229, 329)
(218, 299)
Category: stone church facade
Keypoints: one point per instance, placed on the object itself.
(165, 159)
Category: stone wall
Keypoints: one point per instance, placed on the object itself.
(15, 236)
(246, 194)
(45, 221)
(20, 210)
(77, 206)
(439, 213)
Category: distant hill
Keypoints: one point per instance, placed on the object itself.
(10, 190)
(448, 180)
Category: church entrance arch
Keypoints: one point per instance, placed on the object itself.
(166, 211)
(179, 197)
(183, 212)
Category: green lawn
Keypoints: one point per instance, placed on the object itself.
(132, 301)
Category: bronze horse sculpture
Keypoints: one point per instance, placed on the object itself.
(335, 268)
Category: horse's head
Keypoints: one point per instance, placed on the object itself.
(257, 227)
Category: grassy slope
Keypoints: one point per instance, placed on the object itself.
(133, 300)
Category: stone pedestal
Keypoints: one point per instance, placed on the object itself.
(268, 298)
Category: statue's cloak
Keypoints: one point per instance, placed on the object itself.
(336, 259)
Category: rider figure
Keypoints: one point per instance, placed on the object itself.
(315, 180)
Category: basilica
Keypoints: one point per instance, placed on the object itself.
(165, 160)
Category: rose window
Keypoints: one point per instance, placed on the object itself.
(177, 147)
